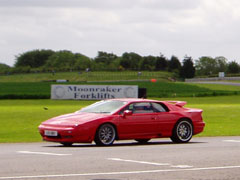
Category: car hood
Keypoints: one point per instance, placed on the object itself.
(74, 119)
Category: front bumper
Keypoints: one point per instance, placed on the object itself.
(64, 134)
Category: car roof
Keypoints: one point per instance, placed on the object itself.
(135, 100)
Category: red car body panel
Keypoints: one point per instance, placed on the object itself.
(81, 127)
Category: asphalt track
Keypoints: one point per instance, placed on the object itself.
(203, 158)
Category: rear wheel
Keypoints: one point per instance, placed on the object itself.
(142, 141)
(182, 131)
(105, 135)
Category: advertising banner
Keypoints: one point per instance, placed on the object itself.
(93, 92)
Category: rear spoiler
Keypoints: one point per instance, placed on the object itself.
(178, 103)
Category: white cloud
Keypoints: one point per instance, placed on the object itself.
(179, 27)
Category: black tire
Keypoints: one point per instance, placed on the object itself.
(105, 135)
(182, 132)
(142, 141)
(66, 144)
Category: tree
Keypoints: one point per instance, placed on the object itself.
(174, 64)
(206, 66)
(61, 60)
(161, 63)
(130, 61)
(148, 63)
(4, 68)
(233, 67)
(188, 69)
(104, 57)
(33, 59)
(82, 62)
(115, 65)
(222, 64)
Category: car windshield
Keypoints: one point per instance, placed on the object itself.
(105, 106)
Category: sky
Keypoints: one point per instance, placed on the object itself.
(148, 27)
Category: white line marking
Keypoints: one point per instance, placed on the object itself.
(238, 141)
(182, 166)
(150, 163)
(119, 173)
(140, 162)
(43, 153)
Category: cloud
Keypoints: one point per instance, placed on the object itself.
(96, 4)
(179, 27)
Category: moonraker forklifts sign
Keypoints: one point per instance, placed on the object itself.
(93, 92)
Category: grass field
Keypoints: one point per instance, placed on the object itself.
(37, 85)
(20, 118)
(218, 87)
(87, 76)
(41, 90)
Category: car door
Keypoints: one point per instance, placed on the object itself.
(142, 122)
(165, 120)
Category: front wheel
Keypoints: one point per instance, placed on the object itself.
(182, 132)
(105, 135)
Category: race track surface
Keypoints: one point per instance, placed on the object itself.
(203, 158)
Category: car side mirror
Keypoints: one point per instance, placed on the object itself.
(127, 113)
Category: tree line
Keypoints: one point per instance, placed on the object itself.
(208, 66)
(64, 60)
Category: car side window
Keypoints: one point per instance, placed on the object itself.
(142, 107)
(157, 107)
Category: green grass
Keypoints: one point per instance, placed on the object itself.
(84, 76)
(37, 85)
(41, 90)
(20, 118)
(217, 87)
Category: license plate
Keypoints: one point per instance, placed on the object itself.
(50, 133)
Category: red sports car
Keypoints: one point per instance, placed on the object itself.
(121, 119)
